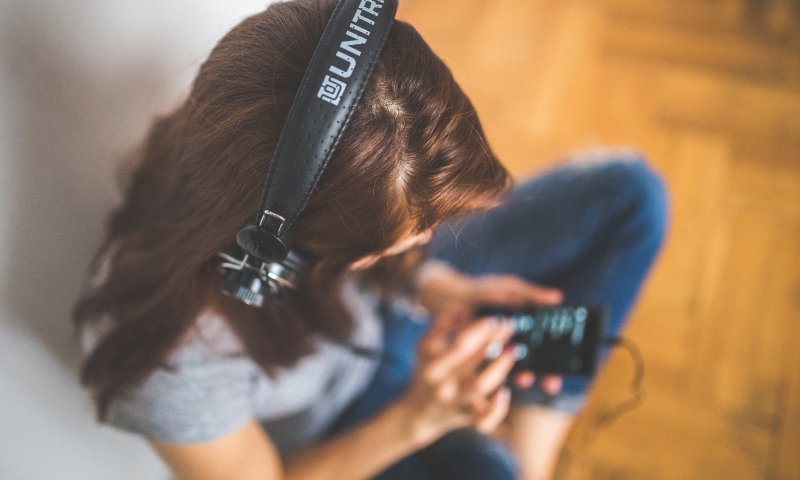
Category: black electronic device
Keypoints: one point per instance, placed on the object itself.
(331, 87)
(563, 340)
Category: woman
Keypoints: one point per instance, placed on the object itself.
(326, 383)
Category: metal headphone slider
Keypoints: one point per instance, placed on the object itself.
(274, 215)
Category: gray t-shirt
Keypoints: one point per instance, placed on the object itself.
(212, 388)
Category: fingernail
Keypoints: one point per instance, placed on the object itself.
(506, 328)
(494, 350)
(495, 321)
(505, 394)
(520, 351)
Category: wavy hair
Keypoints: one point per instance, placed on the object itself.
(413, 156)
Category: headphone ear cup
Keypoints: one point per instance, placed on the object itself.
(296, 262)
(262, 245)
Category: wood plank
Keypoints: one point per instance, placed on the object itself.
(671, 436)
(728, 351)
(787, 447)
(574, 36)
(782, 303)
(756, 188)
(776, 18)
(697, 175)
(742, 55)
(763, 122)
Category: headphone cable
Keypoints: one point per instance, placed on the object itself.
(609, 416)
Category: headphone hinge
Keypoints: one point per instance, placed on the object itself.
(270, 214)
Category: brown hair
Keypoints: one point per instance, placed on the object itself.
(413, 155)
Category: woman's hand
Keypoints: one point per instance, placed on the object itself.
(453, 386)
(444, 291)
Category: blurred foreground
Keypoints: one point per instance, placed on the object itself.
(710, 91)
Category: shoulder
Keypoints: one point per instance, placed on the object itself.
(203, 391)
(210, 340)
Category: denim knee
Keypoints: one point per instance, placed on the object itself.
(466, 454)
(642, 196)
(635, 200)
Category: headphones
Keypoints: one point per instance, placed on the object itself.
(329, 92)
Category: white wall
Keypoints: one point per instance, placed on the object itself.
(80, 81)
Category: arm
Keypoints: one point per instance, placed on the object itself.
(449, 391)
(536, 434)
(249, 454)
(245, 454)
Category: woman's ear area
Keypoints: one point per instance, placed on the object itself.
(364, 262)
(408, 242)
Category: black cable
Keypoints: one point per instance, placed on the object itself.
(607, 417)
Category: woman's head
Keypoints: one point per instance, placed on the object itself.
(413, 156)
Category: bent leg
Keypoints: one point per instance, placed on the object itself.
(591, 229)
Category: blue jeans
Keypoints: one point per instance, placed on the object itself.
(589, 228)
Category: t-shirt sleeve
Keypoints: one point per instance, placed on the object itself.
(191, 405)
(204, 393)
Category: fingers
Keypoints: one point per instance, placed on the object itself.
(533, 293)
(495, 345)
(524, 379)
(494, 375)
(469, 343)
(508, 290)
(482, 382)
(497, 411)
(454, 383)
(545, 296)
(552, 384)
(439, 337)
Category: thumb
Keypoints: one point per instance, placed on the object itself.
(510, 290)
(438, 338)
(542, 295)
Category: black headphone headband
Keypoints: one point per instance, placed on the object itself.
(329, 92)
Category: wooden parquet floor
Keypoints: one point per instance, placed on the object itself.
(710, 91)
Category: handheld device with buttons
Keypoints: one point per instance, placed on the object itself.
(563, 340)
